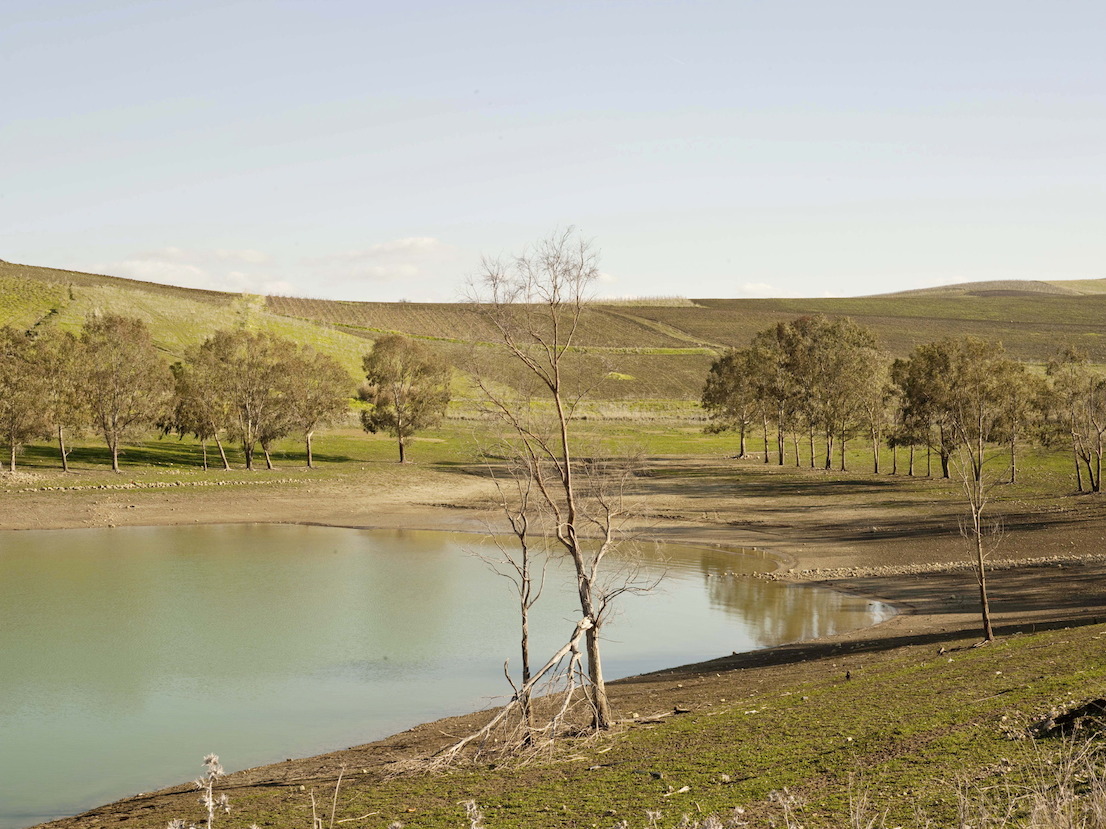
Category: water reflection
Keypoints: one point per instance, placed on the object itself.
(127, 654)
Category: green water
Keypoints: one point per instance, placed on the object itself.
(127, 654)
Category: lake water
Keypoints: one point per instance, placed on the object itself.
(127, 654)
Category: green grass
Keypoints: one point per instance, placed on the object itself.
(645, 350)
(24, 303)
(906, 729)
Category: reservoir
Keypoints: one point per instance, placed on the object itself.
(127, 654)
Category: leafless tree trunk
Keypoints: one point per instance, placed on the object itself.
(765, 423)
(62, 450)
(975, 529)
(569, 649)
(781, 440)
(519, 505)
(222, 451)
(536, 302)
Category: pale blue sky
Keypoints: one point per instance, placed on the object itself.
(365, 150)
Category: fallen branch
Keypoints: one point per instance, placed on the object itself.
(450, 753)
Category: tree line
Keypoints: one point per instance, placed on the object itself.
(816, 382)
(243, 387)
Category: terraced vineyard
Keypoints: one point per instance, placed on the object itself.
(650, 351)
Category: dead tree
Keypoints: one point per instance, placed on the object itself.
(536, 304)
(523, 563)
(570, 651)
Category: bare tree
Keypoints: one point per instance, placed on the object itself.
(516, 562)
(537, 302)
(981, 534)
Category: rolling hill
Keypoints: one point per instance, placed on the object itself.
(638, 352)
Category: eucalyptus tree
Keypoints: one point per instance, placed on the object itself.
(277, 362)
(22, 392)
(875, 401)
(804, 345)
(254, 373)
(1019, 403)
(407, 388)
(126, 382)
(197, 408)
(979, 371)
(731, 395)
(317, 394)
(1080, 393)
(925, 382)
(910, 419)
(60, 360)
(777, 387)
(849, 367)
(813, 374)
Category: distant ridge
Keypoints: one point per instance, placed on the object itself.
(1010, 287)
(647, 348)
(60, 276)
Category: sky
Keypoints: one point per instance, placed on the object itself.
(363, 150)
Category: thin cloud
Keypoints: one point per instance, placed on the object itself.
(415, 261)
(762, 290)
(252, 257)
(386, 273)
(203, 269)
(414, 246)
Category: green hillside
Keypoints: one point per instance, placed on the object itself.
(647, 351)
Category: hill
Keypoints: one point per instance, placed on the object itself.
(637, 352)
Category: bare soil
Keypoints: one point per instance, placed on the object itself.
(877, 536)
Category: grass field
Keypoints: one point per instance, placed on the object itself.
(935, 728)
(651, 351)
